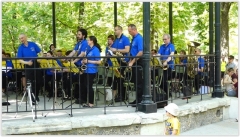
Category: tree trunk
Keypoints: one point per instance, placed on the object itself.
(81, 13)
(225, 6)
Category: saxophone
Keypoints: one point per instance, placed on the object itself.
(192, 61)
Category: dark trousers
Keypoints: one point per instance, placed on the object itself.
(137, 79)
(154, 73)
(78, 81)
(167, 75)
(118, 82)
(4, 81)
(86, 87)
(34, 74)
(198, 81)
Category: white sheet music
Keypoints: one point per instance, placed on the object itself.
(111, 53)
(6, 69)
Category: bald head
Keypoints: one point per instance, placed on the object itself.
(23, 38)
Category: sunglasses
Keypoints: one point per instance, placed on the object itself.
(195, 51)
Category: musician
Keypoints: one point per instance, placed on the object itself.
(92, 61)
(59, 53)
(52, 48)
(199, 69)
(122, 45)
(79, 51)
(30, 49)
(136, 64)
(6, 72)
(49, 77)
(167, 49)
(155, 63)
(80, 47)
(183, 60)
(109, 44)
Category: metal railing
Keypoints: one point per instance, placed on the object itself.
(68, 86)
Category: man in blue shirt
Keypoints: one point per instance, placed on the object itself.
(79, 51)
(136, 63)
(80, 48)
(166, 49)
(30, 49)
(121, 45)
(199, 69)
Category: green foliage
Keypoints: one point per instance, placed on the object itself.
(190, 22)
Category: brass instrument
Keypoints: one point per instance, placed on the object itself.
(192, 60)
(115, 65)
(73, 68)
(156, 62)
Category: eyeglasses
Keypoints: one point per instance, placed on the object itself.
(164, 39)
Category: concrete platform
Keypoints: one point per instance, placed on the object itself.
(82, 117)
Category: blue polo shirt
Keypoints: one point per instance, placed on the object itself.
(94, 53)
(121, 43)
(166, 50)
(9, 73)
(136, 45)
(201, 64)
(184, 61)
(30, 51)
(108, 60)
(81, 46)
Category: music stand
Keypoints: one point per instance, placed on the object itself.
(29, 93)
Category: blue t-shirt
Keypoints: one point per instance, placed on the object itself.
(184, 61)
(94, 53)
(166, 50)
(108, 60)
(81, 46)
(201, 64)
(9, 73)
(121, 43)
(30, 51)
(136, 45)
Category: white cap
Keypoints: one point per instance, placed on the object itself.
(172, 108)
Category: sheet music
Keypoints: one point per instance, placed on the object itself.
(6, 69)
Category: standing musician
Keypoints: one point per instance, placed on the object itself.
(108, 61)
(199, 69)
(30, 49)
(166, 49)
(79, 51)
(122, 45)
(92, 61)
(136, 63)
(80, 48)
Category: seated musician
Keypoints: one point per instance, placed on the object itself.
(92, 61)
(49, 77)
(52, 48)
(6, 72)
(155, 63)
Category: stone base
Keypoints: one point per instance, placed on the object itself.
(147, 108)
